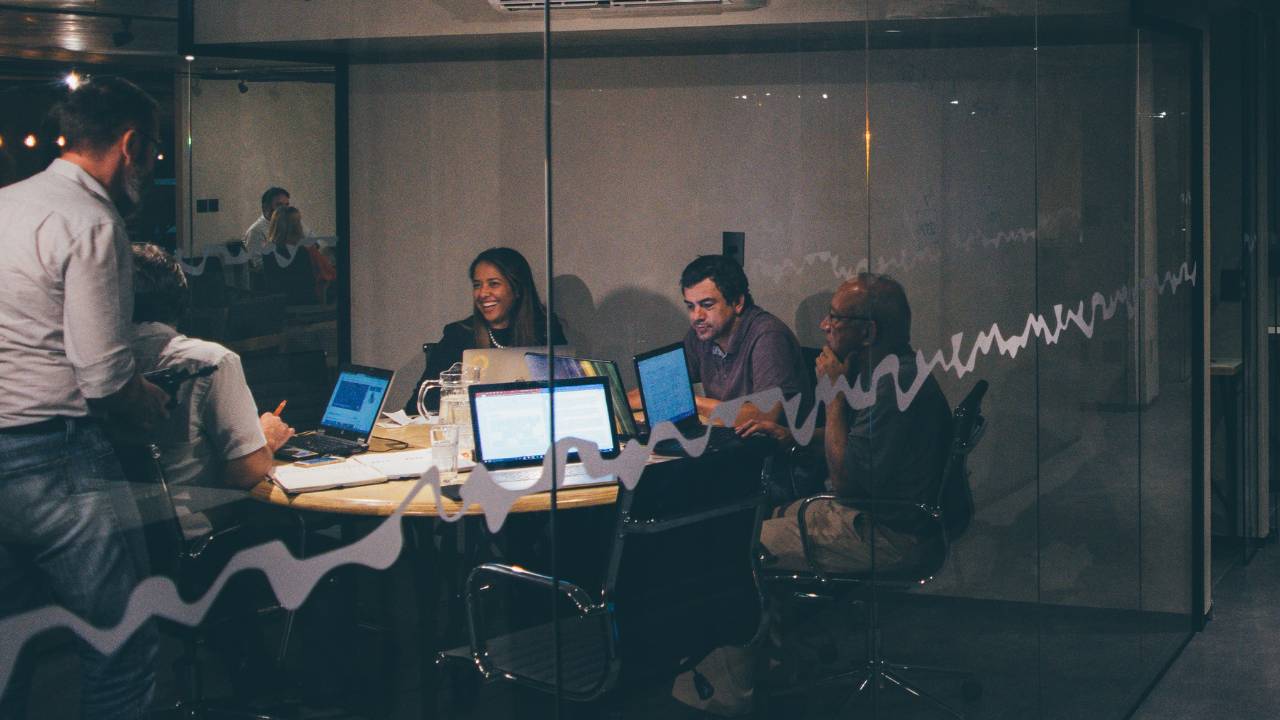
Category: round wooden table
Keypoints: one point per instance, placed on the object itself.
(384, 498)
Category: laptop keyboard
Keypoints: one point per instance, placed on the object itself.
(721, 438)
(324, 445)
(575, 471)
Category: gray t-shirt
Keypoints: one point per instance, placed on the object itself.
(763, 353)
(899, 454)
(216, 421)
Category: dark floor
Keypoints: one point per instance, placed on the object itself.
(1230, 670)
(1032, 661)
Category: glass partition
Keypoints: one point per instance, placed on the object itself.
(1021, 179)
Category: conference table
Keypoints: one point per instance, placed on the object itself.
(431, 565)
(383, 499)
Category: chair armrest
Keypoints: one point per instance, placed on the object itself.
(581, 600)
(579, 597)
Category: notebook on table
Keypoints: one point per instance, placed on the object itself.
(666, 394)
(348, 419)
(511, 422)
(571, 367)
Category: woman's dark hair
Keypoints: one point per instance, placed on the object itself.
(527, 314)
(160, 292)
(95, 115)
(724, 271)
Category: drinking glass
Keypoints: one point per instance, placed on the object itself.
(444, 451)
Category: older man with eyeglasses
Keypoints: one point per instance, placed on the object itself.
(873, 453)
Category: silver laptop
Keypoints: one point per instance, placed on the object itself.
(499, 365)
(510, 421)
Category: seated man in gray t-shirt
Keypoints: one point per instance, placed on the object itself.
(874, 453)
(216, 444)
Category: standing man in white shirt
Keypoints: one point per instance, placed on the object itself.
(65, 361)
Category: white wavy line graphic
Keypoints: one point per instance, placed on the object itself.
(292, 579)
(193, 266)
(905, 259)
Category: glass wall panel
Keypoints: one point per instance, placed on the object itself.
(1168, 352)
(952, 217)
(1089, 387)
(1026, 180)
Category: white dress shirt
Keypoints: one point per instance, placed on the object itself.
(66, 296)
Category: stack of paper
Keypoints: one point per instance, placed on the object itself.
(365, 469)
(348, 473)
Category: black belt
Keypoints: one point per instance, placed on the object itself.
(44, 427)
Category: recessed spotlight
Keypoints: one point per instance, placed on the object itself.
(29, 140)
(825, 96)
(160, 156)
(61, 141)
(955, 102)
(72, 80)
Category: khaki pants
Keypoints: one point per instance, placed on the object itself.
(840, 536)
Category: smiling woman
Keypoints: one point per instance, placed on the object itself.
(506, 312)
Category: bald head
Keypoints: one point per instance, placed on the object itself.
(878, 299)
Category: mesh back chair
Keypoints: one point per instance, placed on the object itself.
(949, 513)
(591, 638)
(183, 560)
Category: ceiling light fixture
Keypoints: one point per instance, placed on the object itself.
(72, 80)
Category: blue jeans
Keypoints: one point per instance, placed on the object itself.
(62, 542)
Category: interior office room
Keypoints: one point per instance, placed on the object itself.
(1077, 199)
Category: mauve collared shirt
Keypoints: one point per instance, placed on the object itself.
(762, 353)
(66, 296)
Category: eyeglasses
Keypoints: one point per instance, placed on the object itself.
(832, 317)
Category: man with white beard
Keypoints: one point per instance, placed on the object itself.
(66, 371)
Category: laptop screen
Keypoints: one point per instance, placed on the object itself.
(511, 419)
(568, 367)
(357, 398)
(664, 386)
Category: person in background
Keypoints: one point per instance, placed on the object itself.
(290, 268)
(255, 238)
(506, 311)
(65, 366)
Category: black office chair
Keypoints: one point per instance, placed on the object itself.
(183, 560)
(591, 638)
(950, 513)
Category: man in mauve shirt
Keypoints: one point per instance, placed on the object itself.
(734, 347)
(65, 361)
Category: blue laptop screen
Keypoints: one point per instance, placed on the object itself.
(664, 380)
(355, 402)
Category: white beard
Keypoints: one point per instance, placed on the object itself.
(136, 181)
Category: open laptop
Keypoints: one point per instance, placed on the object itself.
(505, 364)
(571, 367)
(510, 421)
(667, 396)
(348, 420)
